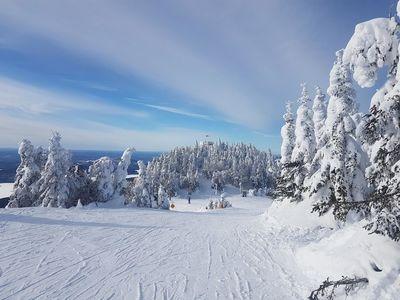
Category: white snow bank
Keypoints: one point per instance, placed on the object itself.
(6, 189)
(298, 215)
(351, 251)
(324, 248)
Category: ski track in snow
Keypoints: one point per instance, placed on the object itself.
(146, 254)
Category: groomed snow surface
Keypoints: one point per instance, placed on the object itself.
(254, 250)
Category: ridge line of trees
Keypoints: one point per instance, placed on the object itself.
(240, 165)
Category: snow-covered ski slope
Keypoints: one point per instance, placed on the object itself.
(144, 254)
(249, 251)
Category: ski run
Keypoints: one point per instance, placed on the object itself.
(242, 252)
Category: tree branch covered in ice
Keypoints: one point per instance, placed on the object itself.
(328, 288)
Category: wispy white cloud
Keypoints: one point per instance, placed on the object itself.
(173, 110)
(30, 99)
(228, 56)
(91, 85)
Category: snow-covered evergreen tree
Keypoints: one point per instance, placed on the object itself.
(101, 174)
(319, 116)
(163, 198)
(53, 183)
(339, 180)
(80, 187)
(285, 182)
(375, 45)
(141, 196)
(25, 190)
(288, 135)
(386, 207)
(120, 173)
(304, 148)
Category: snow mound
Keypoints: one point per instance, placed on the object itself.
(351, 251)
(325, 248)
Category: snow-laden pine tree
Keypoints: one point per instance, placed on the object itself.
(163, 198)
(288, 135)
(25, 189)
(339, 180)
(319, 116)
(120, 173)
(304, 148)
(101, 174)
(53, 183)
(385, 208)
(374, 45)
(141, 196)
(80, 187)
(285, 187)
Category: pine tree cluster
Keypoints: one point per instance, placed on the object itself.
(343, 160)
(220, 163)
(47, 178)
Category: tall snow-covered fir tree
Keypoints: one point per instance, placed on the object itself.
(25, 190)
(53, 183)
(374, 45)
(120, 173)
(80, 187)
(101, 173)
(109, 179)
(140, 193)
(288, 135)
(163, 198)
(339, 180)
(304, 148)
(285, 187)
(319, 116)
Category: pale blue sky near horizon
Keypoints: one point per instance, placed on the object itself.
(160, 74)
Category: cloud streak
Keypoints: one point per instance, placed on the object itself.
(26, 98)
(173, 110)
(221, 59)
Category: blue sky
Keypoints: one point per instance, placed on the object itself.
(157, 74)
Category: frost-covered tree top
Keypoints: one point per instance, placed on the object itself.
(373, 45)
(288, 135)
(304, 148)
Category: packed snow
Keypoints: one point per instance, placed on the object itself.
(253, 250)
